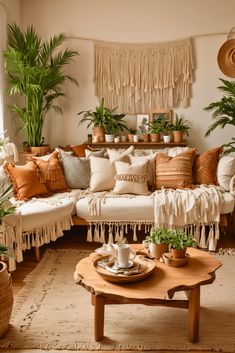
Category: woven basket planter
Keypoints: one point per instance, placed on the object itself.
(6, 298)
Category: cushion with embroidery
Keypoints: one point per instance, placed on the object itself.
(175, 172)
(205, 167)
(25, 180)
(131, 178)
(151, 159)
(51, 173)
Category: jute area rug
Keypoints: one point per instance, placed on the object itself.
(52, 312)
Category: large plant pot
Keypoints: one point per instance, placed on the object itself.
(6, 298)
(157, 250)
(38, 150)
(99, 131)
(178, 136)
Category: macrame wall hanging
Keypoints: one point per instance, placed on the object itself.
(138, 78)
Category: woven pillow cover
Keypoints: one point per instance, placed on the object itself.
(175, 172)
(205, 167)
(76, 171)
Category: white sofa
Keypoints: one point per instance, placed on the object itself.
(110, 217)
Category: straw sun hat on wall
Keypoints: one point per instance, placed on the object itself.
(226, 57)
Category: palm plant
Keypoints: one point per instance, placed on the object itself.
(96, 117)
(35, 72)
(224, 112)
(180, 125)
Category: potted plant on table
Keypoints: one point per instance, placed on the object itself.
(35, 72)
(179, 128)
(159, 239)
(179, 241)
(224, 112)
(113, 124)
(6, 292)
(166, 130)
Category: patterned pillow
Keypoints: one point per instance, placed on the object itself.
(175, 172)
(76, 171)
(51, 173)
(131, 178)
(205, 167)
(25, 180)
(102, 174)
(151, 159)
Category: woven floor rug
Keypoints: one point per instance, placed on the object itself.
(52, 312)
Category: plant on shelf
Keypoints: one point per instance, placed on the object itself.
(224, 112)
(6, 293)
(179, 241)
(113, 122)
(35, 70)
(166, 130)
(131, 132)
(159, 239)
(154, 128)
(179, 128)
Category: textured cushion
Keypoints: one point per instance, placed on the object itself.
(5, 181)
(26, 183)
(205, 167)
(120, 155)
(131, 178)
(79, 150)
(76, 171)
(175, 172)
(151, 159)
(102, 174)
(225, 171)
(51, 173)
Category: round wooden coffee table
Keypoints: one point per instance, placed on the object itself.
(157, 289)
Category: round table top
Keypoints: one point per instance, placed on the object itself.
(161, 284)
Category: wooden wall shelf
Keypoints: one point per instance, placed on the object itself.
(138, 145)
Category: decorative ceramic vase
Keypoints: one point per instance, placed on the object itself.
(109, 138)
(167, 138)
(178, 253)
(157, 250)
(6, 298)
(178, 136)
(130, 137)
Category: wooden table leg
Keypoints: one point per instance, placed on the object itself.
(194, 314)
(98, 302)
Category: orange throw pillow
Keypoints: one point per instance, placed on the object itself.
(79, 150)
(51, 173)
(25, 180)
(205, 167)
(175, 172)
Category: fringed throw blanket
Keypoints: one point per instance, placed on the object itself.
(141, 77)
(190, 210)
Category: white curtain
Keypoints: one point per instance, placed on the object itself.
(3, 35)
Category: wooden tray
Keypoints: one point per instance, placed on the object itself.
(147, 266)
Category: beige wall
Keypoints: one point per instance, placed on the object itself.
(135, 21)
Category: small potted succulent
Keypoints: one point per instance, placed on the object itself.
(179, 128)
(179, 241)
(159, 239)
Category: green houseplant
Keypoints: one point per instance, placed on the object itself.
(35, 70)
(180, 128)
(159, 239)
(155, 129)
(224, 112)
(166, 130)
(179, 241)
(113, 122)
(6, 293)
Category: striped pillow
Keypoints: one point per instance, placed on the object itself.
(175, 172)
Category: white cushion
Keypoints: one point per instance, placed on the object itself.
(102, 174)
(225, 171)
(119, 155)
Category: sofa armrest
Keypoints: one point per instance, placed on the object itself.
(232, 185)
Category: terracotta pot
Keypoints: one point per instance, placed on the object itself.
(157, 250)
(154, 137)
(178, 253)
(130, 137)
(178, 136)
(6, 298)
(99, 131)
(38, 150)
(146, 137)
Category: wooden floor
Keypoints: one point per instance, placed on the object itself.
(76, 239)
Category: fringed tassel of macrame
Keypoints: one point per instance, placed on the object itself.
(110, 240)
(134, 232)
(211, 241)
(102, 233)
(89, 233)
(202, 243)
(197, 233)
(96, 234)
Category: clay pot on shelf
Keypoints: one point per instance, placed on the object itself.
(178, 253)
(178, 136)
(154, 137)
(38, 150)
(146, 137)
(99, 131)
